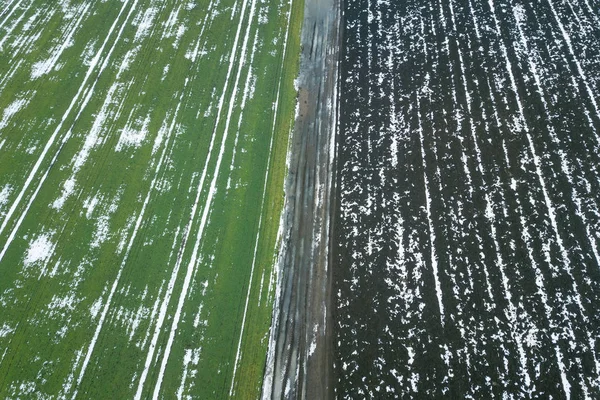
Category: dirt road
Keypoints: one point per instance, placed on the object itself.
(300, 363)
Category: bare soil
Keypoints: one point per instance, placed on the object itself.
(303, 360)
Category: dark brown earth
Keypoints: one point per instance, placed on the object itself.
(300, 363)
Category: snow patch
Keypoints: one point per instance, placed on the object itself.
(178, 35)
(101, 233)
(144, 23)
(45, 66)
(94, 137)
(88, 53)
(39, 249)
(131, 137)
(95, 308)
(6, 330)
(68, 189)
(165, 72)
(67, 302)
(11, 110)
(191, 357)
(89, 205)
(4, 193)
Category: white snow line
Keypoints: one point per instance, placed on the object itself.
(551, 211)
(8, 33)
(567, 40)
(275, 282)
(168, 293)
(212, 189)
(24, 42)
(432, 239)
(239, 347)
(540, 284)
(165, 302)
(174, 274)
(7, 7)
(512, 312)
(471, 125)
(10, 13)
(125, 258)
(565, 168)
(4, 80)
(50, 142)
(170, 287)
(247, 86)
(474, 18)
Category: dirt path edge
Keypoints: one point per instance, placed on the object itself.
(300, 358)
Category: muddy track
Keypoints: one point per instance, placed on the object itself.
(300, 362)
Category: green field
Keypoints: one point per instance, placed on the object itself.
(142, 158)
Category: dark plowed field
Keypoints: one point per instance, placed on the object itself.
(467, 231)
